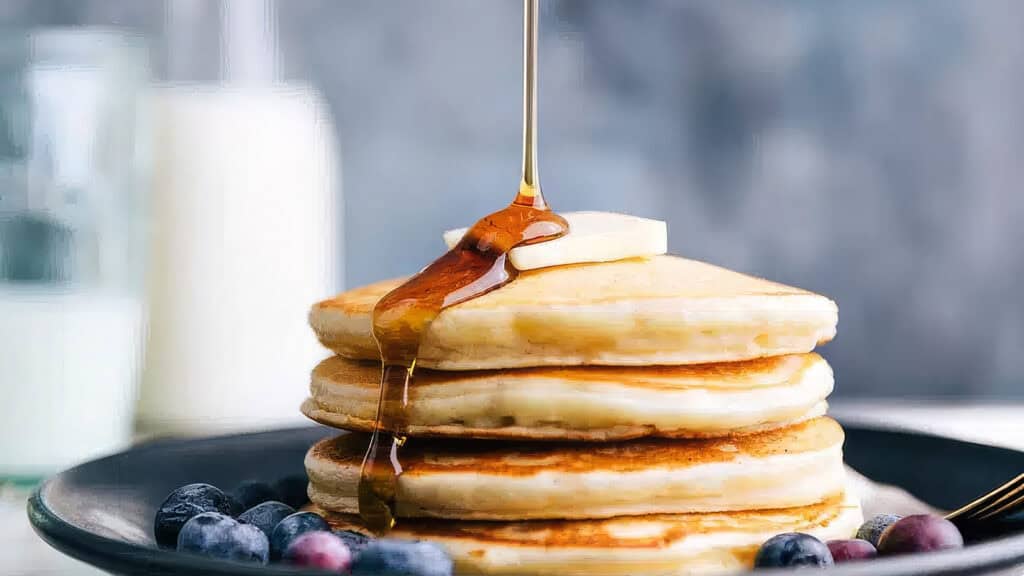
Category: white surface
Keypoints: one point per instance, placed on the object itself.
(69, 372)
(245, 193)
(24, 554)
(592, 237)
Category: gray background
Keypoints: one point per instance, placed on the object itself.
(869, 150)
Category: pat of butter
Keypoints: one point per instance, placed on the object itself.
(592, 237)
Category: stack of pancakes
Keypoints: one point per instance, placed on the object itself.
(651, 415)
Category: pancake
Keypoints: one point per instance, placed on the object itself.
(713, 543)
(795, 466)
(583, 402)
(636, 312)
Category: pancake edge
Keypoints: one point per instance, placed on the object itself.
(725, 551)
(795, 468)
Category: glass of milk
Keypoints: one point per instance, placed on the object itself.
(72, 184)
(246, 191)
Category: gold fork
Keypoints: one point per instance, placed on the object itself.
(1004, 501)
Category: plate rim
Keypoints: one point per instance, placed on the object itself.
(115, 555)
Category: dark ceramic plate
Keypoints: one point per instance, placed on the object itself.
(102, 512)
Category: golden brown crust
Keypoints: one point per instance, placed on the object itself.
(533, 286)
(426, 457)
(605, 533)
(727, 375)
(361, 300)
(639, 312)
(548, 433)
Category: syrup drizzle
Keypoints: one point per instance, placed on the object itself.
(474, 267)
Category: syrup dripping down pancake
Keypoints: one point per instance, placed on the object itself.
(662, 310)
(583, 403)
(460, 479)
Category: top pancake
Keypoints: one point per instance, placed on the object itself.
(636, 312)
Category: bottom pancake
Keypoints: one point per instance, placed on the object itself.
(710, 543)
(474, 480)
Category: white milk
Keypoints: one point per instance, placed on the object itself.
(69, 366)
(244, 207)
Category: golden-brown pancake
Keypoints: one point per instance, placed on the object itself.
(636, 312)
(794, 466)
(583, 402)
(703, 543)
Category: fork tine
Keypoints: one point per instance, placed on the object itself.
(998, 497)
(985, 501)
(1003, 506)
(1007, 509)
(973, 506)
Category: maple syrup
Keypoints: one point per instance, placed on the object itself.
(474, 267)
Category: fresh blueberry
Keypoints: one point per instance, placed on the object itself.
(319, 550)
(181, 505)
(292, 490)
(218, 536)
(793, 549)
(386, 557)
(354, 540)
(851, 550)
(291, 528)
(250, 493)
(265, 516)
(873, 528)
(920, 533)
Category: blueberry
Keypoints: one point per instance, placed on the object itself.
(793, 549)
(291, 528)
(920, 533)
(386, 557)
(181, 505)
(851, 550)
(218, 536)
(319, 550)
(292, 490)
(873, 528)
(250, 493)
(354, 540)
(265, 516)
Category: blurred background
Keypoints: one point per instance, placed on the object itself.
(180, 179)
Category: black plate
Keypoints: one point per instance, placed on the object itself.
(102, 512)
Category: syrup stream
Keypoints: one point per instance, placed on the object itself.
(474, 267)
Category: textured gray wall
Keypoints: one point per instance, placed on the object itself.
(866, 149)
